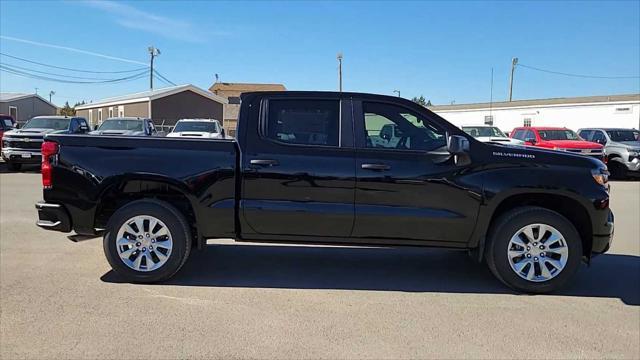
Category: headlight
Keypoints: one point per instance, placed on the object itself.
(601, 176)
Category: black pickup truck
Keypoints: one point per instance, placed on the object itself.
(317, 167)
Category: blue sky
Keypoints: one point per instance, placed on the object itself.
(442, 50)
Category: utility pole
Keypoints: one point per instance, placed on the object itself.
(514, 62)
(153, 51)
(397, 91)
(51, 93)
(340, 70)
(36, 91)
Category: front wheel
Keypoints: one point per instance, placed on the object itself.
(533, 249)
(147, 241)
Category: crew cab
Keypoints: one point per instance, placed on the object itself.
(557, 138)
(22, 146)
(126, 126)
(621, 149)
(305, 169)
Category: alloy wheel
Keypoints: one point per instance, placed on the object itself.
(538, 252)
(144, 243)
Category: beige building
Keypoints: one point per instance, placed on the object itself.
(231, 92)
(164, 106)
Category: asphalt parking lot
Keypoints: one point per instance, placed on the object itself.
(59, 299)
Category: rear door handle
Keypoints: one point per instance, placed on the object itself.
(264, 162)
(376, 167)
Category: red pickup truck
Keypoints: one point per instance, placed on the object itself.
(556, 138)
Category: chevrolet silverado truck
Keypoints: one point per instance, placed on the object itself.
(304, 169)
(22, 146)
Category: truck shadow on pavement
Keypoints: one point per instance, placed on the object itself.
(382, 269)
(30, 168)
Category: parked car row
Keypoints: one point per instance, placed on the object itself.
(22, 146)
(618, 148)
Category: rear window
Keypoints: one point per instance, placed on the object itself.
(306, 122)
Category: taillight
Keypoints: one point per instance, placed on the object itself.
(48, 149)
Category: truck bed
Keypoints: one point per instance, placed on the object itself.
(89, 168)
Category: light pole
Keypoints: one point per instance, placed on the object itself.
(51, 93)
(153, 51)
(339, 57)
(397, 91)
(514, 62)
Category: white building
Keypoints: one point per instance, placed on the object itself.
(574, 113)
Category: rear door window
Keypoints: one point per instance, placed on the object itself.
(304, 122)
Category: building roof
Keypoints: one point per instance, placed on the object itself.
(538, 102)
(151, 95)
(8, 96)
(245, 87)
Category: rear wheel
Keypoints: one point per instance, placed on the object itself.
(14, 166)
(147, 241)
(533, 249)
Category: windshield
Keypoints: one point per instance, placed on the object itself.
(120, 124)
(7, 122)
(564, 134)
(483, 131)
(624, 135)
(47, 123)
(200, 126)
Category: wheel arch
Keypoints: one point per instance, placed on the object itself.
(123, 190)
(565, 204)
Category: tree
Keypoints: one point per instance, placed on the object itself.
(421, 100)
(67, 110)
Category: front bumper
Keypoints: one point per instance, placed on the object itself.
(633, 165)
(53, 217)
(22, 156)
(602, 241)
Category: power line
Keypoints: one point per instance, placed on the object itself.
(47, 78)
(71, 69)
(577, 75)
(163, 78)
(52, 74)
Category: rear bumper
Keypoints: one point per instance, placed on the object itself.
(602, 240)
(53, 217)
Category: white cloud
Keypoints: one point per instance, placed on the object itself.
(134, 18)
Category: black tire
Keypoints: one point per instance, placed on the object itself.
(618, 171)
(14, 166)
(176, 224)
(507, 225)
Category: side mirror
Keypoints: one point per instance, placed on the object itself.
(95, 127)
(531, 141)
(17, 125)
(457, 144)
(223, 134)
(601, 141)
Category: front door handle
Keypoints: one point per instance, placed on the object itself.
(264, 162)
(375, 167)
